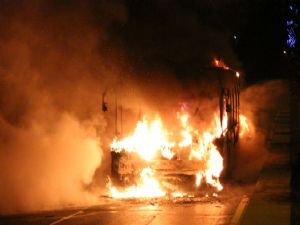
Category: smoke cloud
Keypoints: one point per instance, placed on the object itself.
(47, 165)
(50, 125)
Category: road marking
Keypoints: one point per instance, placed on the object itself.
(66, 217)
(151, 219)
(236, 219)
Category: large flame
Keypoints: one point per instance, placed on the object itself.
(147, 187)
(147, 139)
(150, 139)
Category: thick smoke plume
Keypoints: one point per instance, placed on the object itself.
(57, 58)
(51, 80)
(47, 164)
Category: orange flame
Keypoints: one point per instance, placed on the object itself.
(220, 63)
(150, 139)
(146, 140)
(244, 125)
(148, 187)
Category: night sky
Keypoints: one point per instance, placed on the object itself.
(262, 38)
(185, 35)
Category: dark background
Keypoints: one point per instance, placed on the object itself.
(185, 35)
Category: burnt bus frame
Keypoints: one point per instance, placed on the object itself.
(229, 103)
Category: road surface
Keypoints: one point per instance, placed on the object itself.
(226, 208)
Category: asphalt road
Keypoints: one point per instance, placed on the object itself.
(226, 208)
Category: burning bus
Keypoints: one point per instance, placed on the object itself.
(151, 160)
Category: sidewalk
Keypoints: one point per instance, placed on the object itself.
(271, 202)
